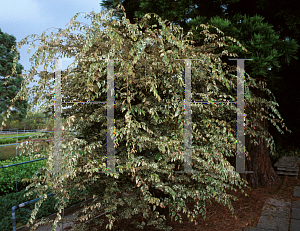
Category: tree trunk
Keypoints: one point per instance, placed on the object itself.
(259, 160)
(260, 163)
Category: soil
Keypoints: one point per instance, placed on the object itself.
(247, 210)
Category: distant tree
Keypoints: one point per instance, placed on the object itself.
(176, 11)
(283, 15)
(9, 91)
(188, 14)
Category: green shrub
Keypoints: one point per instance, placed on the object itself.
(8, 175)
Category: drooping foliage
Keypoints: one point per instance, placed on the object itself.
(148, 150)
(266, 49)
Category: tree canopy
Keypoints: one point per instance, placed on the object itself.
(253, 30)
(8, 91)
(146, 160)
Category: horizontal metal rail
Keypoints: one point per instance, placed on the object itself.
(14, 208)
(11, 165)
(25, 162)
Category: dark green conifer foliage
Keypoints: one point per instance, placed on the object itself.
(9, 91)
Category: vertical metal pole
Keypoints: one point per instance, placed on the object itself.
(188, 135)
(240, 157)
(110, 116)
(17, 142)
(57, 126)
(188, 119)
(110, 161)
(16, 165)
(62, 222)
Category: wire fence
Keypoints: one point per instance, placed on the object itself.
(22, 142)
(17, 143)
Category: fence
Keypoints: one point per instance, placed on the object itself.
(14, 208)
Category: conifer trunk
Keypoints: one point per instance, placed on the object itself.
(259, 161)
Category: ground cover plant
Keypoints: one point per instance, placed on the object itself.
(7, 152)
(146, 160)
(9, 197)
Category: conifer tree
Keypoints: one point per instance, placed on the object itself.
(10, 90)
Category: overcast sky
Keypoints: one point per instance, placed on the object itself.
(21, 18)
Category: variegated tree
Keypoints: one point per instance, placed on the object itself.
(148, 150)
